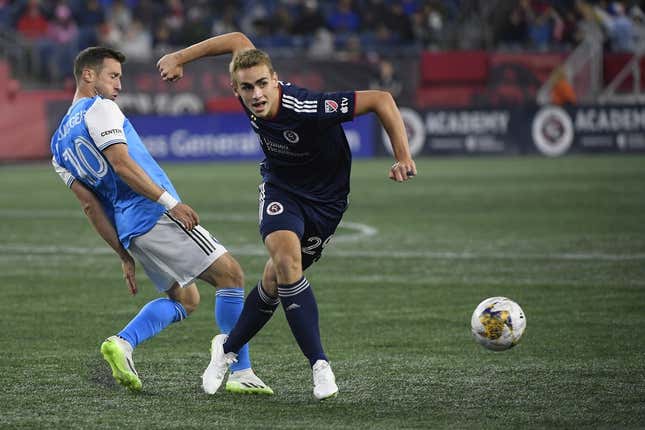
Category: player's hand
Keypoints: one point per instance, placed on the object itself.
(186, 215)
(403, 170)
(169, 68)
(127, 265)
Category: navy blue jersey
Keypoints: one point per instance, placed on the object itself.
(305, 147)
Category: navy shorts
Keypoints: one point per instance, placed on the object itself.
(313, 222)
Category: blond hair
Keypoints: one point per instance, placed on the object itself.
(247, 59)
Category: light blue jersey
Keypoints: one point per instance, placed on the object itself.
(90, 126)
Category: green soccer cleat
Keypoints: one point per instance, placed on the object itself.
(246, 382)
(118, 353)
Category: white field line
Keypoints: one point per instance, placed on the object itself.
(359, 231)
(489, 280)
(254, 250)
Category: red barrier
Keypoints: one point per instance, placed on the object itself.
(454, 68)
(614, 63)
(460, 79)
(23, 124)
(539, 65)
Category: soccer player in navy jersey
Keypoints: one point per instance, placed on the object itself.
(134, 207)
(303, 195)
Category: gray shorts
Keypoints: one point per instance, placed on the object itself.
(169, 253)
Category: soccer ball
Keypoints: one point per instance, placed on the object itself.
(498, 323)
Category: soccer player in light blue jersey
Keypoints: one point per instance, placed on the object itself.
(303, 195)
(134, 207)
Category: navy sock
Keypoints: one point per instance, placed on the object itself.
(258, 310)
(151, 319)
(301, 311)
(228, 307)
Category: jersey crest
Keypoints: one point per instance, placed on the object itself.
(305, 147)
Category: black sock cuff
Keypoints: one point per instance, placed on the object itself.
(267, 299)
(290, 290)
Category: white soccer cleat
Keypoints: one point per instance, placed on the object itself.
(246, 382)
(218, 366)
(324, 381)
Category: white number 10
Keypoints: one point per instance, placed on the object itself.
(85, 168)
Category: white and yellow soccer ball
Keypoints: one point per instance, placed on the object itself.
(498, 323)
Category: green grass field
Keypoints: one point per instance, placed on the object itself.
(396, 289)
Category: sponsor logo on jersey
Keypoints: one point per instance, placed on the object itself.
(113, 131)
(291, 136)
(344, 105)
(330, 106)
(275, 208)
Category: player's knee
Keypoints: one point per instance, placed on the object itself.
(190, 306)
(286, 266)
(237, 276)
(189, 299)
(230, 275)
(225, 272)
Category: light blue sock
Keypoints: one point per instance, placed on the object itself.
(228, 307)
(151, 319)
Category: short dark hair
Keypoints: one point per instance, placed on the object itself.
(93, 57)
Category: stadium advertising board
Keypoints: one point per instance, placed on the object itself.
(556, 131)
(225, 137)
(458, 131)
(549, 130)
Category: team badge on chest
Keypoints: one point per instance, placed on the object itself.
(291, 136)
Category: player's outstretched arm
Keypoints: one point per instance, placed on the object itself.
(140, 182)
(99, 220)
(383, 105)
(171, 66)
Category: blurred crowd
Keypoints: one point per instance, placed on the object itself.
(542, 25)
(55, 30)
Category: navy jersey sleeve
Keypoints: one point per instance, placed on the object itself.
(328, 109)
(334, 108)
